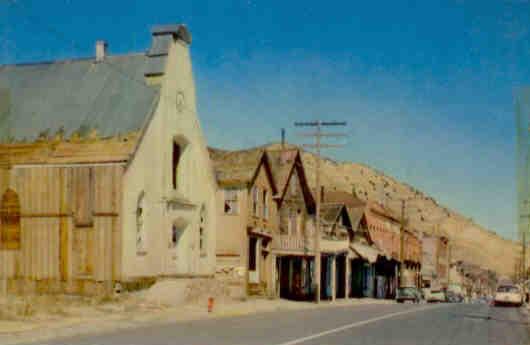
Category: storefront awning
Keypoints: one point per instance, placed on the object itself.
(366, 252)
(334, 247)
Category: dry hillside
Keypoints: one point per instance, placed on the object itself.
(471, 242)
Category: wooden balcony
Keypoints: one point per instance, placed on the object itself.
(292, 243)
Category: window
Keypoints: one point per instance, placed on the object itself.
(175, 164)
(293, 184)
(298, 222)
(255, 198)
(140, 229)
(292, 222)
(231, 205)
(176, 234)
(10, 221)
(284, 221)
(265, 204)
(202, 232)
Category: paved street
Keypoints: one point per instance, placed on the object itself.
(461, 324)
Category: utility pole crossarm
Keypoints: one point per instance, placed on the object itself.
(320, 123)
(322, 146)
(328, 135)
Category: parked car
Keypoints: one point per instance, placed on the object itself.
(436, 296)
(508, 295)
(453, 297)
(404, 294)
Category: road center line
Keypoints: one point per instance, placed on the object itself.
(359, 323)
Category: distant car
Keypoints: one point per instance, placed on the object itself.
(411, 294)
(436, 296)
(453, 297)
(508, 295)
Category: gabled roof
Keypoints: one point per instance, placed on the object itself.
(354, 206)
(284, 163)
(380, 210)
(329, 213)
(109, 97)
(345, 198)
(236, 168)
(40, 100)
(240, 168)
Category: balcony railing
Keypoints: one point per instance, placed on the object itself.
(293, 243)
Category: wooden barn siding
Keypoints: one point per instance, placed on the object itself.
(47, 199)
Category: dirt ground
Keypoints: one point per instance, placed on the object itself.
(38, 318)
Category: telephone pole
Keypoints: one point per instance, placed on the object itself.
(448, 263)
(523, 244)
(318, 135)
(523, 254)
(402, 243)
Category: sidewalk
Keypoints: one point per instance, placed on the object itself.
(115, 316)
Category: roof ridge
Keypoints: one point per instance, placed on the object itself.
(66, 60)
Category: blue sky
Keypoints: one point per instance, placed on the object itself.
(427, 88)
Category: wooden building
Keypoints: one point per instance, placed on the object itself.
(434, 269)
(247, 221)
(336, 255)
(104, 172)
(385, 231)
(293, 245)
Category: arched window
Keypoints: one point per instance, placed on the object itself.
(10, 221)
(140, 227)
(177, 231)
(175, 164)
(202, 232)
(178, 153)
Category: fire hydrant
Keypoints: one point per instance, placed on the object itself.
(210, 304)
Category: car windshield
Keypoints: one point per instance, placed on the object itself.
(407, 291)
(507, 288)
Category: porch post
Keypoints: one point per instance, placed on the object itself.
(333, 277)
(272, 275)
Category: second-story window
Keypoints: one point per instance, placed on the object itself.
(255, 200)
(284, 221)
(293, 184)
(175, 164)
(265, 204)
(231, 204)
(140, 227)
(293, 228)
(298, 222)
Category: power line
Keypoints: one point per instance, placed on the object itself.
(58, 34)
(31, 19)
